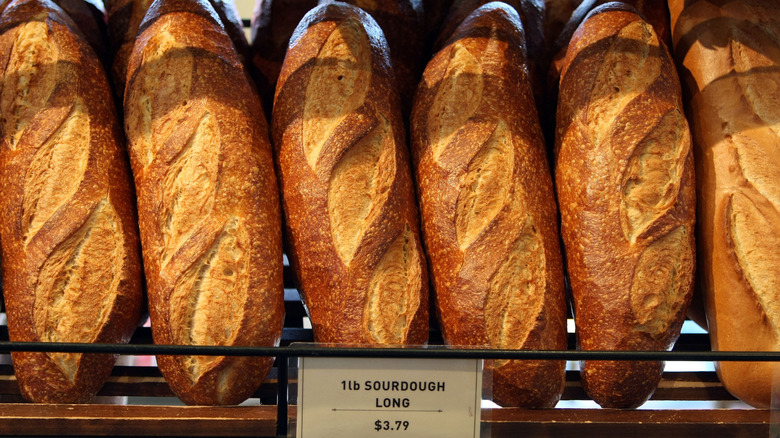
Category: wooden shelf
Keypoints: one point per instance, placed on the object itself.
(21, 419)
(142, 420)
(634, 423)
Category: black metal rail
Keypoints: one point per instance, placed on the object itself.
(407, 352)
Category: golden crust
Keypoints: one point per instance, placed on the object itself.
(124, 19)
(402, 23)
(337, 110)
(532, 15)
(624, 174)
(208, 203)
(487, 203)
(71, 263)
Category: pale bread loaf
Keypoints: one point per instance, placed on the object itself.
(729, 59)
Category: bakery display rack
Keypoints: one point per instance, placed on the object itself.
(136, 401)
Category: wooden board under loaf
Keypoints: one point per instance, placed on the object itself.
(208, 201)
(352, 219)
(624, 174)
(70, 250)
(487, 203)
(729, 59)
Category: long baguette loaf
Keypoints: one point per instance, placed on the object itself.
(487, 203)
(208, 201)
(625, 181)
(70, 250)
(346, 183)
(729, 59)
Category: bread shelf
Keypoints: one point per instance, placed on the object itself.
(173, 419)
(136, 401)
(116, 420)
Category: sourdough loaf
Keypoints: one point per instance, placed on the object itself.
(624, 174)
(70, 250)
(208, 201)
(346, 183)
(728, 55)
(487, 203)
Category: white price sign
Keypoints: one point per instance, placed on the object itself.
(382, 397)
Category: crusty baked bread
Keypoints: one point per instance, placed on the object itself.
(208, 202)
(624, 174)
(90, 18)
(70, 250)
(728, 55)
(488, 209)
(402, 23)
(531, 14)
(352, 220)
(125, 16)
